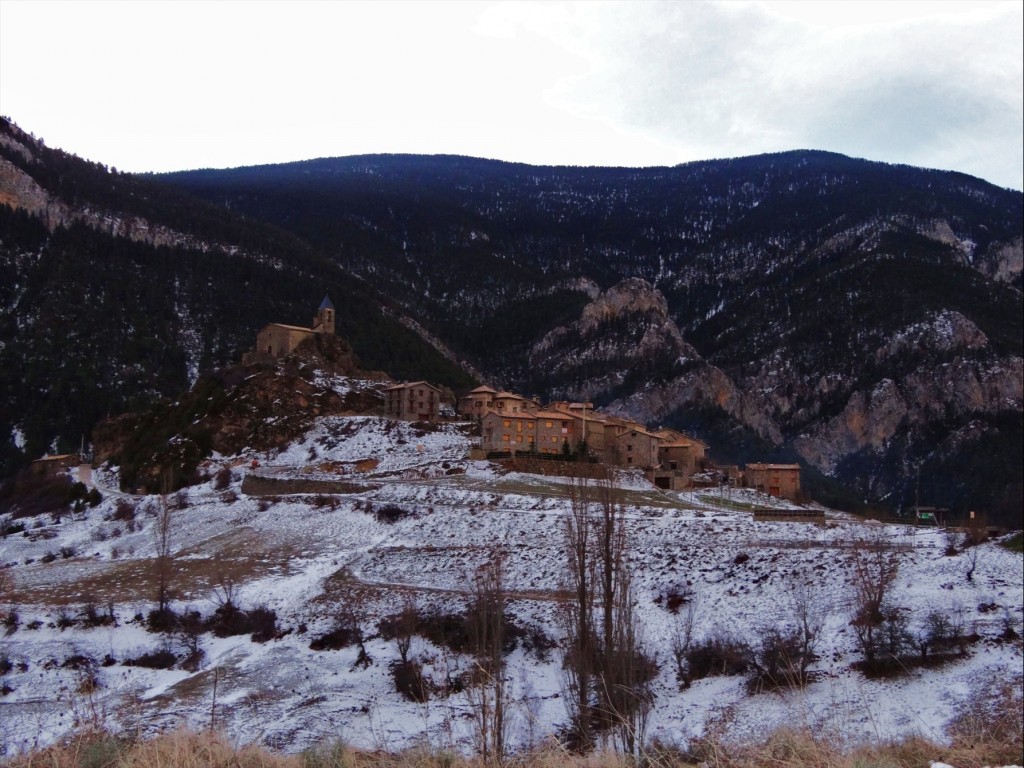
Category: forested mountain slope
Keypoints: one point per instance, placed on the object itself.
(115, 291)
(861, 317)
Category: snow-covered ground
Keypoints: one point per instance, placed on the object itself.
(311, 558)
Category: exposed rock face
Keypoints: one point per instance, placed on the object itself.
(256, 407)
(1005, 262)
(871, 419)
(945, 331)
(625, 329)
(19, 190)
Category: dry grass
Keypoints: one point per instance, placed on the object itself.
(989, 732)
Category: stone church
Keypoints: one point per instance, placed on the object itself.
(278, 339)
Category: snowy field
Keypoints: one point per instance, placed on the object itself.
(310, 557)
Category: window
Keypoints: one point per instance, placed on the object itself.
(504, 438)
(507, 423)
(548, 424)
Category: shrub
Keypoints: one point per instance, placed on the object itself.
(263, 624)
(445, 629)
(717, 655)
(162, 659)
(93, 618)
(222, 479)
(124, 510)
(161, 620)
(229, 620)
(390, 514)
(409, 681)
(342, 636)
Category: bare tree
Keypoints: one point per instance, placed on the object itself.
(578, 616)
(875, 568)
(682, 638)
(608, 671)
(163, 563)
(809, 614)
(626, 671)
(405, 628)
(490, 694)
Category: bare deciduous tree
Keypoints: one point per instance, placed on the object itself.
(490, 694)
(682, 638)
(163, 564)
(578, 616)
(875, 568)
(607, 669)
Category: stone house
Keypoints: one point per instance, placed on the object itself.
(508, 402)
(780, 480)
(679, 452)
(476, 402)
(587, 423)
(413, 401)
(278, 339)
(542, 431)
(629, 444)
(49, 466)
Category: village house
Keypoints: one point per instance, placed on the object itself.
(476, 402)
(540, 431)
(779, 480)
(278, 339)
(679, 452)
(48, 466)
(587, 423)
(508, 402)
(413, 401)
(629, 444)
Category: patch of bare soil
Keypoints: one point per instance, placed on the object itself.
(237, 556)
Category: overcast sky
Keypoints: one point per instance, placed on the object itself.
(155, 86)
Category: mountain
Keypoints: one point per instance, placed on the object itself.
(116, 291)
(862, 318)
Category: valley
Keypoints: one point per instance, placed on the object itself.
(419, 520)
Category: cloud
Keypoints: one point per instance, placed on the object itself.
(164, 85)
(709, 78)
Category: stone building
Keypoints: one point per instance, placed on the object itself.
(49, 466)
(278, 339)
(413, 401)
(542, 431)
(476, 402)
(780, 480)
(629, 444)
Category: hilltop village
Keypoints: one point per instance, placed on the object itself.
(512, 426)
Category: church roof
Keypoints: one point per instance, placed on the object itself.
(326, 303)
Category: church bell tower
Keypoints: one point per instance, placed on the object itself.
(324, 320)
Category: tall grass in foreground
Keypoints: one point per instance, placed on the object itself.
(977, 744)
(988, 732)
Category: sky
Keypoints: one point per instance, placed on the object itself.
(159, 86)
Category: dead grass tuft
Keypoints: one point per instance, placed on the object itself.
(989, 732)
